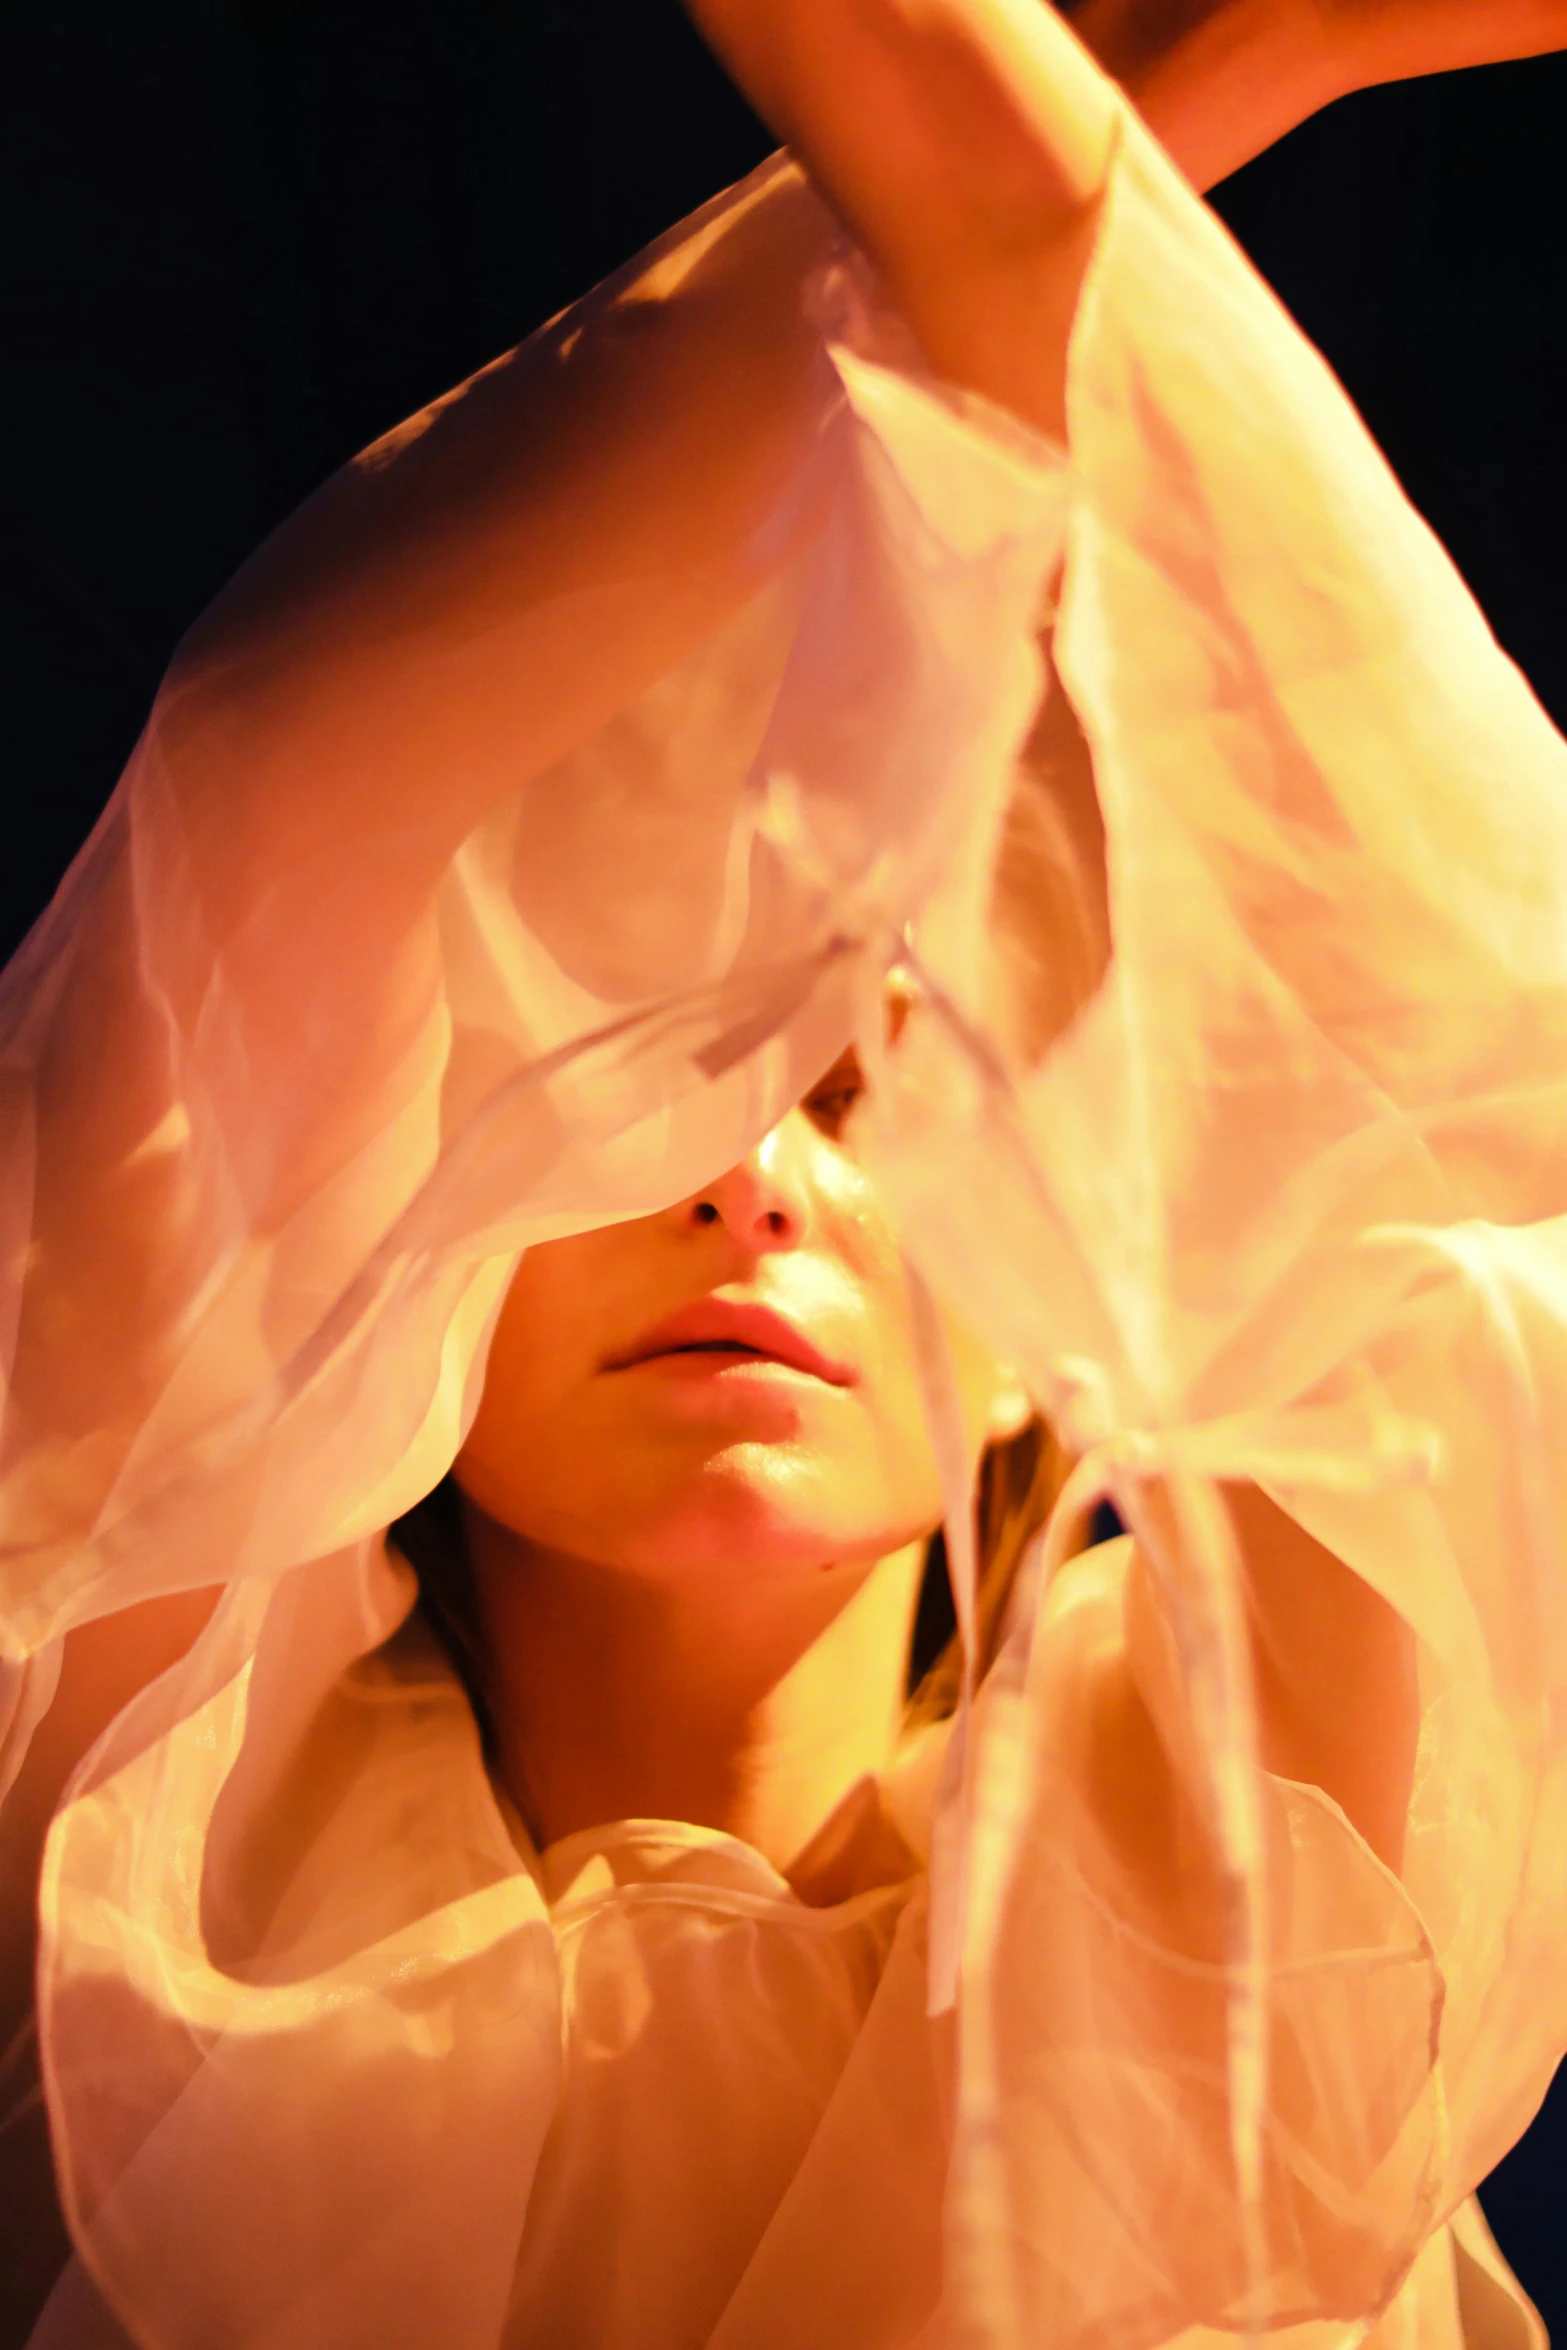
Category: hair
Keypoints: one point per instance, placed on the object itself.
(1019, 1479)
(434, 1540)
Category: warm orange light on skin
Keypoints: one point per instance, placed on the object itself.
(696, 1573)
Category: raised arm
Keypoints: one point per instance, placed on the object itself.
(473, 595)
(1220, 80)
(560, 530)
(484, 586)
(243, 997)
(964, 142)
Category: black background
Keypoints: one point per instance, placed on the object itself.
(239, 243)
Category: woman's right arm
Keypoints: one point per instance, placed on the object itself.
(237, 1002)
(487, 584)
(231, 1029)
(965, 143)
(479, 591)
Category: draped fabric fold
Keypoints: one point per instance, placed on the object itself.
(301, 1059)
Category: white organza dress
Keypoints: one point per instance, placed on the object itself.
(372, 974)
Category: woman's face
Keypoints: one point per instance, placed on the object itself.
(730, 1381)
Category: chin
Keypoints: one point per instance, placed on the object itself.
(764, 1509)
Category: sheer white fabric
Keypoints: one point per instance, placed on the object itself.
(372, 974)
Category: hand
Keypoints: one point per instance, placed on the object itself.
(1220, 80)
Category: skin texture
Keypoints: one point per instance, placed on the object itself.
(964, 142)
(1220, 80)
(696, 1573)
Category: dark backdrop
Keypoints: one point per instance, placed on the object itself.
(240, 242)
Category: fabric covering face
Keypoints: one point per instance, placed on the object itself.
(385, 963)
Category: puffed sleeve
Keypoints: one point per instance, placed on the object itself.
(1282, 1206)
(514, 842)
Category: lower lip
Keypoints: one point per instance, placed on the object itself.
(720, 1364)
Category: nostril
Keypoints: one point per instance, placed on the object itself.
(739, 1202)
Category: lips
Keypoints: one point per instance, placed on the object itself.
(715, 1326)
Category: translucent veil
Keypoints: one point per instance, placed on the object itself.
(293, 1069)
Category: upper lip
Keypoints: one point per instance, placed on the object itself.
(716, 1321)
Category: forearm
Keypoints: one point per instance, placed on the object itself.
(476, 594)
(247, 973)
(1217, 84)
(964, 143)
(468, 602)
(1218, 81)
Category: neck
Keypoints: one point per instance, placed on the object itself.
(747, 1703)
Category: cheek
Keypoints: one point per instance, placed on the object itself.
(869, 1243)
(543, 1348)
(865, 1238)
(896, 1462)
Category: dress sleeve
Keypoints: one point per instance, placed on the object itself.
(1282, 1205)
(560, 753)
(523, 832)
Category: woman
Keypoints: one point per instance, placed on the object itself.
(512, 847)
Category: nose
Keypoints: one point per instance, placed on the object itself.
(763, 1201)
